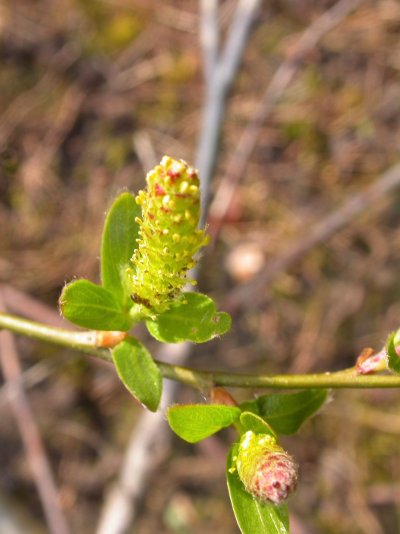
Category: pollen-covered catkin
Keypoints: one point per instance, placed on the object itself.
(169, 236)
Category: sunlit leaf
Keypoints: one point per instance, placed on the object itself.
(191, 318)
(286, 412)
(91, 306)
(118, 244)
(138, 372)
(393, 357)
(255, 423)
(194, 422)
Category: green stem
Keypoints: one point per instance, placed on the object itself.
(85, 341)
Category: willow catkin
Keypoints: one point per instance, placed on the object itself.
(169, 236)
(267, 471)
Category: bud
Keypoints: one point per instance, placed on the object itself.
(168, 234)
(221, 396)
(109, 338)
(370, 362)
(267, 471)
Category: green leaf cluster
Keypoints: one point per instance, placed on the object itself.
(273, 414)
(109, 306)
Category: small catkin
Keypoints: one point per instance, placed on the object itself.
(267, 471)
(169, 236)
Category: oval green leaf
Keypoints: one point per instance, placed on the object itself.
(191, 318)
(393, 357)
(286, 412)
(194, 422)
(255, 423)
(91, 306)
(118, 243)
(138, 372)
(252, 515)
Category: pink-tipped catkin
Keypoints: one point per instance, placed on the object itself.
(267, 471)
(169, 237)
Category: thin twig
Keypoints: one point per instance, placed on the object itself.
(145, 150)
(31, 438)
(203, 380)
(285, 73)
(140, 73)
(33, 170)
(209, 36)
(217, 88)
(27, 101)
(238, 33)
(253, 293)
(19, 302)
(27, 379)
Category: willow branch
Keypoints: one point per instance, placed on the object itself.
(86, 342)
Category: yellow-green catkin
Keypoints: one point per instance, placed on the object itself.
(169, 236)
(267, 471)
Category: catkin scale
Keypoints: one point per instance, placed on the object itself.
(168, 234)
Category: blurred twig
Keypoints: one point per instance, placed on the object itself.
(209, 36)
(34, 168)
(30, 435)
(237, 163)
(145, 150)
(142, 72)
(25, 102)
(220, 72)
(29, 378)
(19, 302)
(320, 231)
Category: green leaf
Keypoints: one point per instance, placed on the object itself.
(251, 421)
(118, 244)
(253, 516)
(138, 372)
(198, 421)
(191, 318)
(286, 412)
(91, 306)
(393, 357)
(396, 337)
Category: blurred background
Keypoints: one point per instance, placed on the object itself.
(93, 93)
